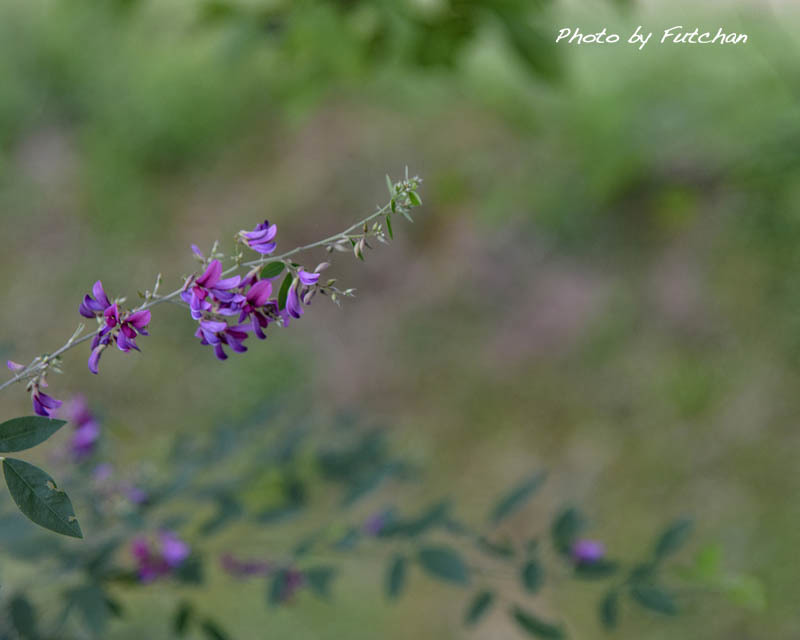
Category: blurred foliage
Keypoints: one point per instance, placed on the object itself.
(605, 283)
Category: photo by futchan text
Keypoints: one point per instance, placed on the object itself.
(677, 34)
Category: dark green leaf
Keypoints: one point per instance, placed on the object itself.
(92, 603)
(536, 626)
(272, 270)
(516, 498)
(414, 198)
(478, 607)
(183, 615)
(654, 598)
(596, 570)
(212, 630)
(319, 580)
(284, 291)
(500, 549)
(191, 570)
(23, 617)
(435, 515)
(566, 527)
(389, 225)
(673, 538)
(277, 587)
(444, 563)
(115, 607)
(23, 433)
(396, 576)
(38, 497)
(609, 610)
(532, 576)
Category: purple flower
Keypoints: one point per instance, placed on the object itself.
(308, 278)
(217, 333)
(293, 305)
(87, 429)
(588, 551)
(376, 523)
(153, 563)
(16, 367)
(293, 579)
(136, 495)
(43, 405)
(102, 473)
(173, 549)
(261, 239)
(121, 327)
(90, 306)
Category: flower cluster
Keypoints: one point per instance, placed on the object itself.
(248, 301)
(120, 327)
(161, 560)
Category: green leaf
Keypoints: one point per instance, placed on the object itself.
(502, 549)
(183, 615)
(272, 270)
(191, 570)
(277, 587)
(92, 603)
(23, 617)
(414, 198)
(609, 610)
(536, 626)
(566, 527)
(284, 291)
(654, 598)
(389, 185)
(515, 499)
(673, 538)
(444, 563)
(212, 630)
(319, 580)
(596, 570)
(532, 576)
(389, 225)
(479, 606)
(396, 576)
(38, 497)
(23, 433)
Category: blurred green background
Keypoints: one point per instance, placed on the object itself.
(604, 280)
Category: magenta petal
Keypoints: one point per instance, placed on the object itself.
(140, 319)
(47, 401)
(228, 283)
(16, 367)
(100, 294)
(211, 275)
(259, 293)
(308, 278)
(94, 359)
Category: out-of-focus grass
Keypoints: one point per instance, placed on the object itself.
(603, 282)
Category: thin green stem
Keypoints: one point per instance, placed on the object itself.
(39, 365)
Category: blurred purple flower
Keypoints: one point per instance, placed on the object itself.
(102, 473)
(261, 239)
(588, 551)
(376, 523)
(87, 430)
(153, 563)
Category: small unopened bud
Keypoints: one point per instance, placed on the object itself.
(321, 267)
